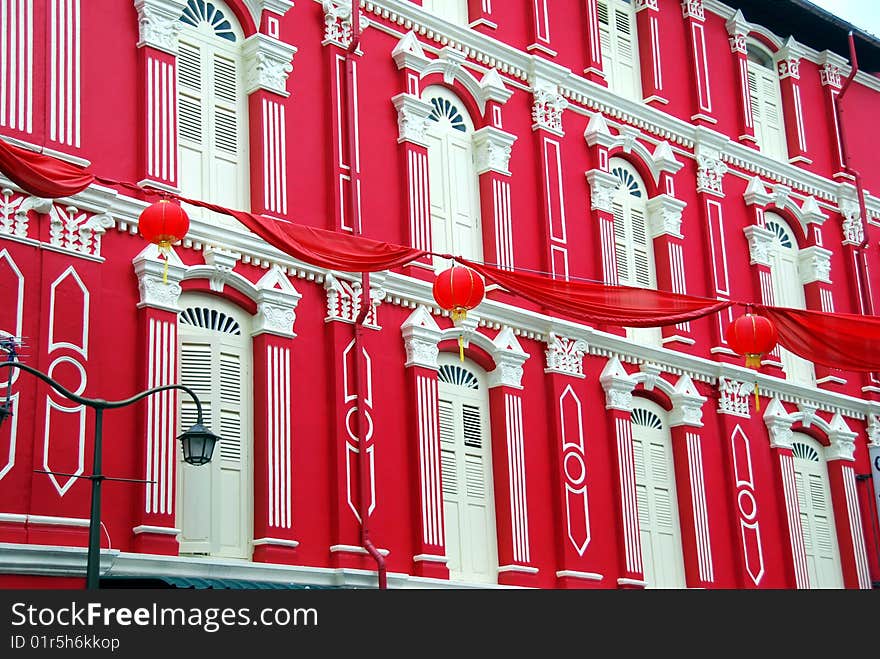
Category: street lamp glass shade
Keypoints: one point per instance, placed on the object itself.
(198, 444)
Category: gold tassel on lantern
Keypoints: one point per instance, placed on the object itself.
(459, 314)
(165, 251)
(757, 400)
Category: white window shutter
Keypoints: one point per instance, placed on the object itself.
(622, 245)
(767, 116)
(627, 54)
(757, 109)
(643, 272)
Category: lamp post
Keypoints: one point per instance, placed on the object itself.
(197, 444)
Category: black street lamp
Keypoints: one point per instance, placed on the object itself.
(197, 444)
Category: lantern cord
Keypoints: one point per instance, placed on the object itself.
(461, 347)
(165, 250)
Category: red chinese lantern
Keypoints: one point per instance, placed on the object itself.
(163, 224)
(458, 289)
(752, 336)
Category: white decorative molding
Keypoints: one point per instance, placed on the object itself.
(664, 215)
(830, 67)
(412, 118)
(842, 440)
(408, 53)
(618, 386)
(492, 148)
(159, 23)
(337, 23)
(565, 356)
(509, 359)
(547, 108)
(156, 289)
(267, 63)
(421, 334)
(664, 159)
(761, 243)
(814, 264)
(734, 397)
(778, 423)
(221, 262)
(873, 429)
(74, 230)
(602, 188)
(344, 299)
(853, 231)
(756, 194)
(788, 59)
(710, 170)
(449, 64)
(277, 300)
(693, 9)
(597, 132)
(687, 404)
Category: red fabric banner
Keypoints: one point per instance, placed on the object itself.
(320, 247)
(42, 175)
(837, 340)
(597, 303)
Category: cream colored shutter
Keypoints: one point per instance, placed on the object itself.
(195, 500)
(817, 517)
(193, 154)
(438, 180)
(626, 67)
(757, 109)
(232, 480)
(643, 270)
(467, 240)
(606, 45)
(656, 500)
(767, 111)
(468, 504)
(622, 250)
(454, 11)
(226, 132)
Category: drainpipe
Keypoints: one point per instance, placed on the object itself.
(359, 372)
(867, 306)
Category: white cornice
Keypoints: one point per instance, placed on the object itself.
(409, 292)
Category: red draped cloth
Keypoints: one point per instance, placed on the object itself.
(320, 247)
(837, 340)
(42, 175)
(597, 303)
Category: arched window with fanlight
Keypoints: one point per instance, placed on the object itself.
(212, 106)
(619, 47)
(466, 471)
(633, 246)
(788, 291)
(817, 515)
(766, 101)
(659, 527)
(454, 11)
(215, 501)
(452, 177)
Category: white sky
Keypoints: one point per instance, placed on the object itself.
(864, 14)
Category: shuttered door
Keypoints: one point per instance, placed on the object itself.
(617, 41)
(633, 244)
(656, 499)
(788, 292)
(215, 500)
(212, 123)
(454, 11)
(455, 205)
(817, 517)
(466, 474)
(766, 101)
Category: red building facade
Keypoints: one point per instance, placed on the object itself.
(655, 143)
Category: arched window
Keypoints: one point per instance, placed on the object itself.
(454, 186)
(454, 11)
(766, 102)
(633, 246)
(215, 501)
(212, 107)
(787, 289)
(817, 515)
(619, 46)
(466, 472)
(659, 528)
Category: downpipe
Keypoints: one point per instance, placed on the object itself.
(360, 375)
(867, 306)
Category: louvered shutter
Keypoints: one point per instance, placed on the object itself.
(643, 271)
(767, 117)
(439, 185)
(606, 45)
(817, 518)
(215, 498)
(454, 11)
(224, 110)
(468, 504)
(657, 507)
(626, 78)
(191, 124)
